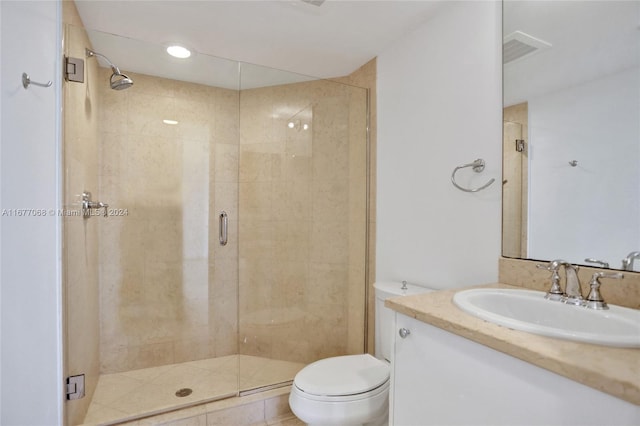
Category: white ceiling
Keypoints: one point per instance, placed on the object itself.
(589, 38)
(327, 41)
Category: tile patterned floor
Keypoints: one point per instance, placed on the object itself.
(289, 421)
(130, 394)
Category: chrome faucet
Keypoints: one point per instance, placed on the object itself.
(627, 262)
(573, 292)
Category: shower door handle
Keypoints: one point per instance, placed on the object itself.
(223, 225)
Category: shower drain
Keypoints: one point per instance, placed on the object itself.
(181, 393)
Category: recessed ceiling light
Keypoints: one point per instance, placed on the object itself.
(178, 51)
(172, 122)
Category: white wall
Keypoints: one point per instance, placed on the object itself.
(595, 204)
(440, 105)
(30, 309)
(0, 216)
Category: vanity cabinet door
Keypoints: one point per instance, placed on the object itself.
(439, 378)
(408, 377)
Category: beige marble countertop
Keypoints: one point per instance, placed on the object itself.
(615, 371)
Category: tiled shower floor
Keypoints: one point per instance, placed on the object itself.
(135, 393)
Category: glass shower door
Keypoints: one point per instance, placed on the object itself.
(302, 231)
(151, 293)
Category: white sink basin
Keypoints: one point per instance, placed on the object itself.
(528, 310)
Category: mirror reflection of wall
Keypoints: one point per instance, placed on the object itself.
(576, 194)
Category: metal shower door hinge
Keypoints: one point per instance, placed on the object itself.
(75, 387)
(74, 69)
(520, 145)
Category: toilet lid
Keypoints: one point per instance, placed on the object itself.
(343, 375)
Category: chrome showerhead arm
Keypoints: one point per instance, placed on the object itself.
(90, 53)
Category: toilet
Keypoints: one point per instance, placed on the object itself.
(352, 390)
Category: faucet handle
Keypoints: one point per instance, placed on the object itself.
(88, 204)
(553, 265)
(612, 275)
(104, 206)
(544, 266)
(597, 262)
(595, 300)
(555, 293)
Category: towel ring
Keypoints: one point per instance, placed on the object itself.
(478, 166)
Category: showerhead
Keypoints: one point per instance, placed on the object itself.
(118, 80)
(121, 83)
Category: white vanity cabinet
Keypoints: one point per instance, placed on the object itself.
(439, 378)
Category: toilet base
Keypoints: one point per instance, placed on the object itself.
(370, 409)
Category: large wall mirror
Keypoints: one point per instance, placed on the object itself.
(571, 156)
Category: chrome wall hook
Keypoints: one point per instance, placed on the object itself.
(26, 81)
(478, 166)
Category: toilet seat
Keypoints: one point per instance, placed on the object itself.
(342, 377)
(353, 390)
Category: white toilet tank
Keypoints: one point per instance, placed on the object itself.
(384, 316)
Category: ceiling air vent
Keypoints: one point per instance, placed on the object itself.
(519, 45)
(314, 2)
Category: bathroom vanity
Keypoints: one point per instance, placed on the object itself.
(449, 367)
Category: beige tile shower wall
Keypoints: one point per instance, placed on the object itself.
(302, 220)
(167, 288)
(80, 236)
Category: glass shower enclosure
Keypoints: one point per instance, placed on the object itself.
(224, 246)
